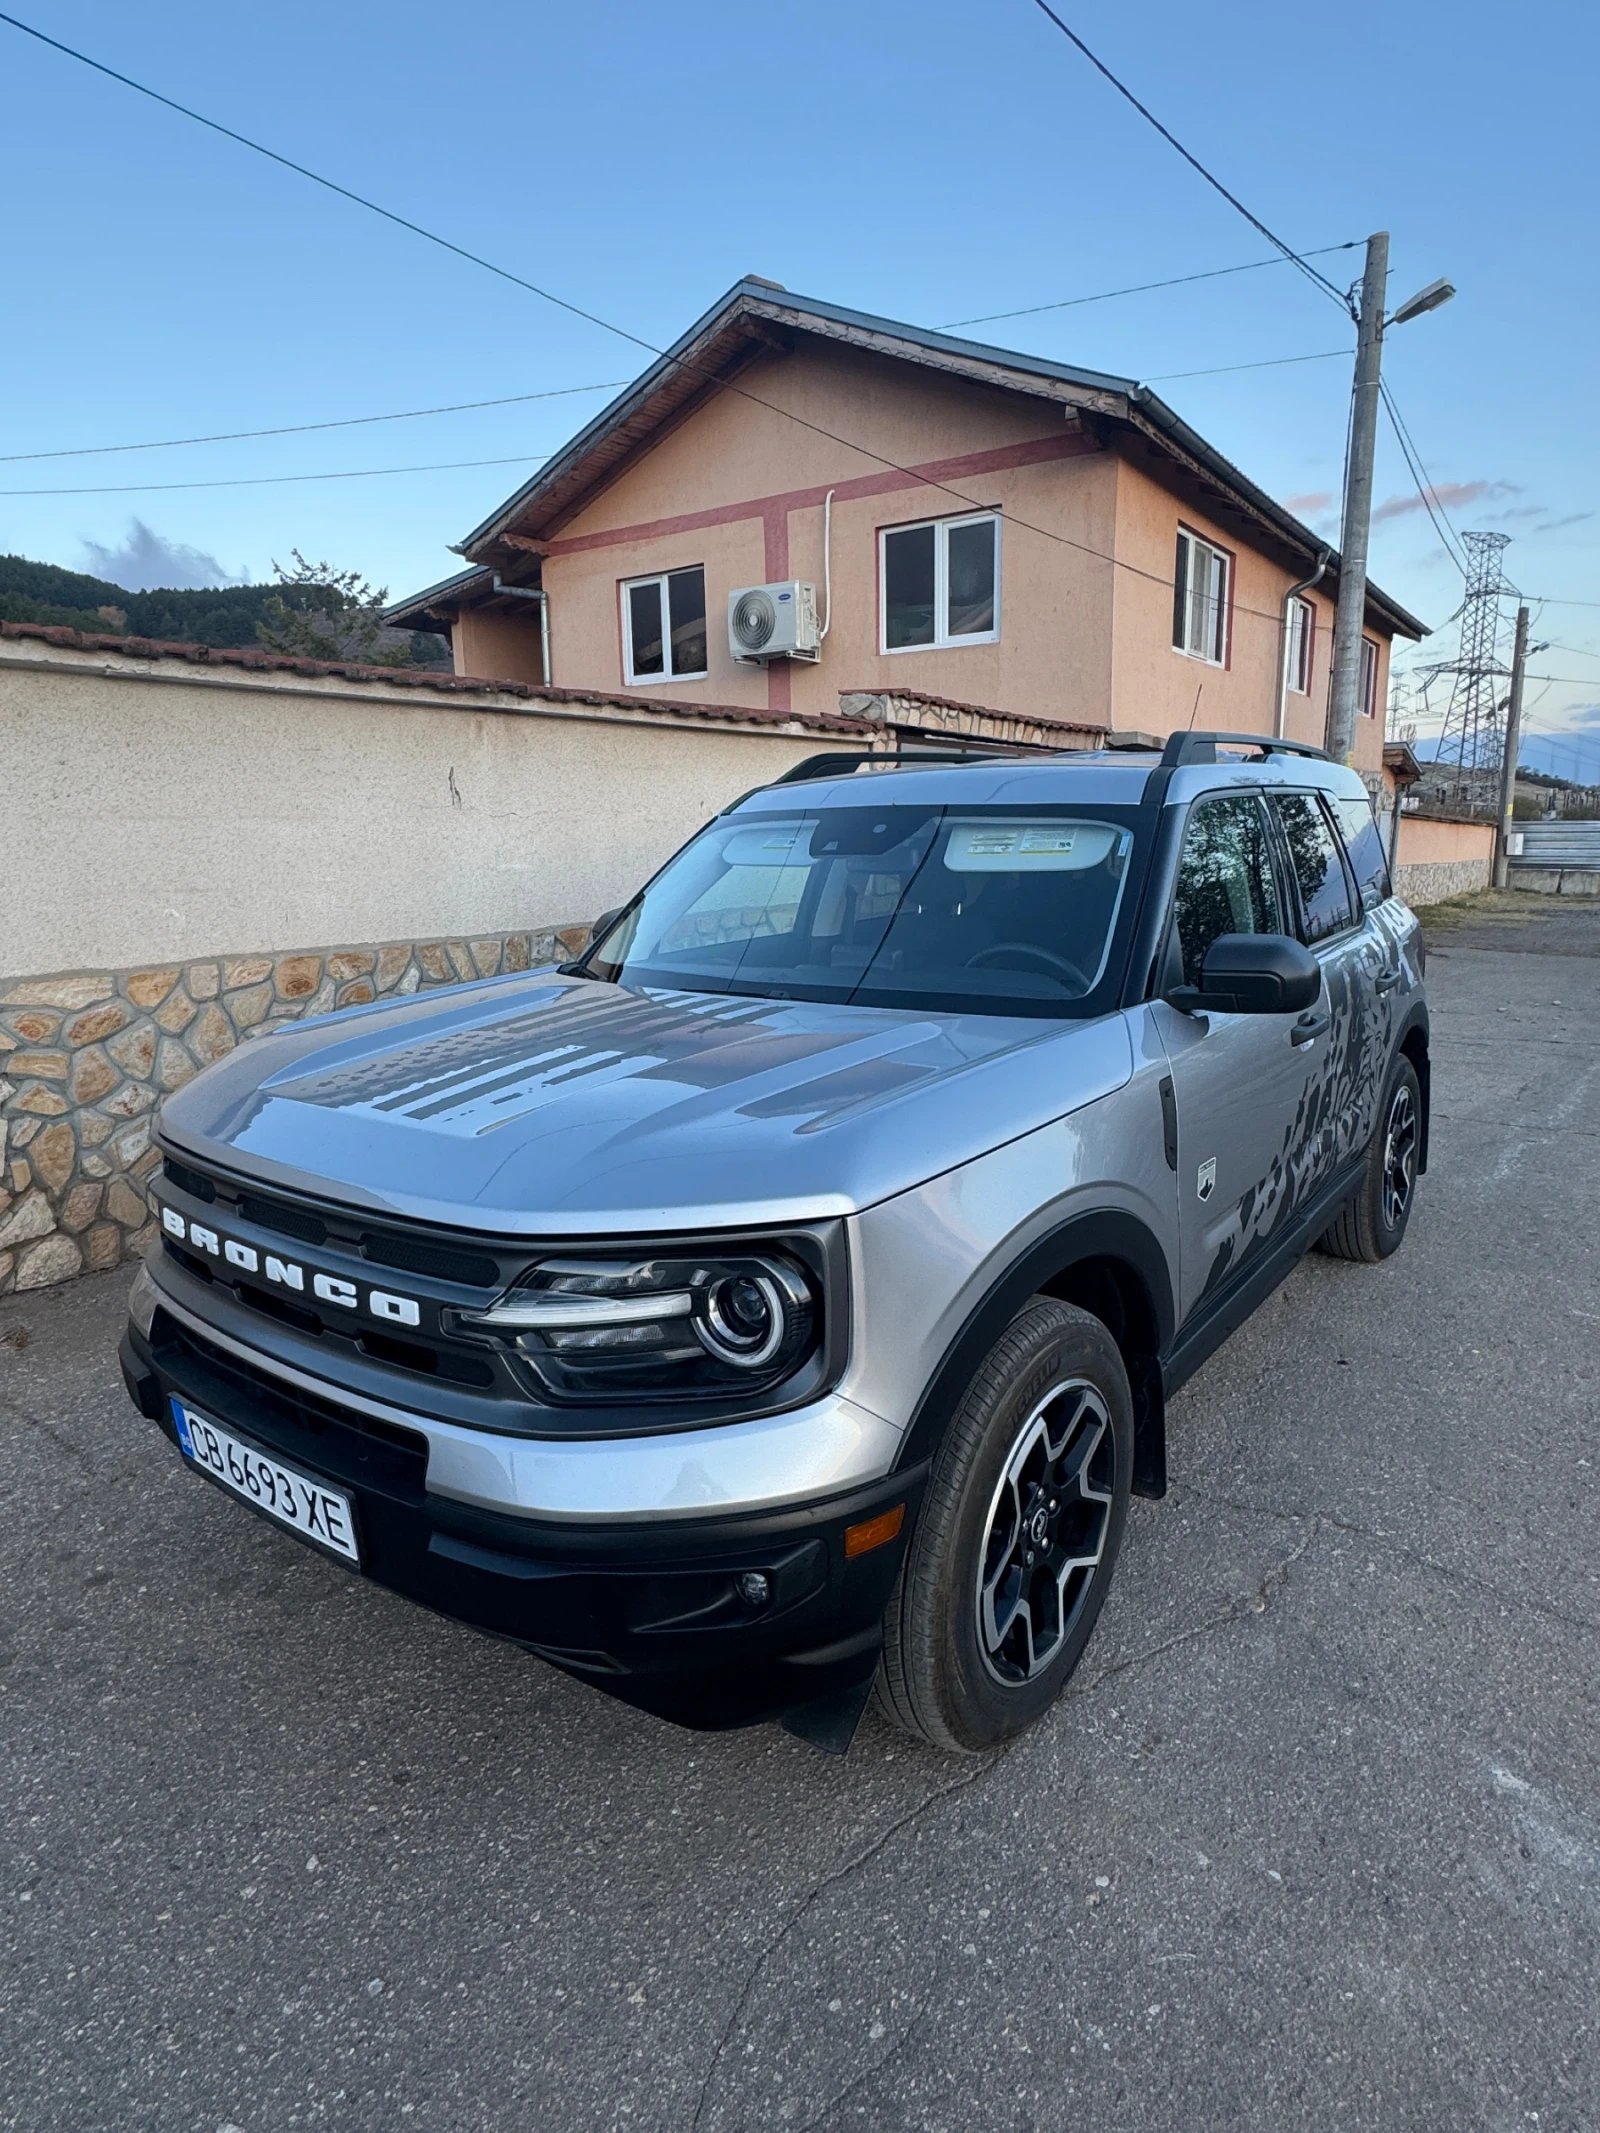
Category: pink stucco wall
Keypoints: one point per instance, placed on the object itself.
(1157, 688)
(738, 487)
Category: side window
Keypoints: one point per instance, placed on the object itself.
(664, 627)
(1363, 843)
(1200, 595)
(941, 583)
(1318, 867)
(1225, 879)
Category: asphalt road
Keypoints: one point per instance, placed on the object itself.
(1314, 1841)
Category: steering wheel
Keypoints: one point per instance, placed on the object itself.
(1032, 951)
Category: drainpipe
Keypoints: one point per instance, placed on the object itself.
(1293, 593)
(532, 592)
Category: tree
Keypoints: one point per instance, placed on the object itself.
(323, 613)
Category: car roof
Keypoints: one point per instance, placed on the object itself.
(1080, 777)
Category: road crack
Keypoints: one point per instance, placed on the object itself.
(808, 1903)
(1398, 1549)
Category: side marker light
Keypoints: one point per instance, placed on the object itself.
(874, 1532)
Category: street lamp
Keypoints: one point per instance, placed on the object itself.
(1428, 299)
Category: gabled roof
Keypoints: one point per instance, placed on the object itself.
(757, 318)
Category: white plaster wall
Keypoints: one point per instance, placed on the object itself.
(150, 812)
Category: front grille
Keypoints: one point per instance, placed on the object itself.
(434, 1273)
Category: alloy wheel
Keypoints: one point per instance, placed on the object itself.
(1048, 1524)
(1399, 1157)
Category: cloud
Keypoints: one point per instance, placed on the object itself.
(1448, 495)
(146, 560)
(1312, 505)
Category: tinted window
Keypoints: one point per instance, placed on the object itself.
(1363, 842)
(686, 599)
(1318, 867)
(971, 573)
(908, 587)
(985, 910)
(1225, 879)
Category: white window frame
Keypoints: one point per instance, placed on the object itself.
(1301, 645)
(658, 578)
(942, 639)
(1191, 540)
(1369, 677)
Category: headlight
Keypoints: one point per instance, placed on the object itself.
(653, 1327)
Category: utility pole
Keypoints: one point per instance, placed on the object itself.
(1508, 768)
(1344, 693)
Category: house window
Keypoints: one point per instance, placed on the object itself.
(1369, 678)
(1302, 629)
(664, 626)
(1200, 599)
(941, 583)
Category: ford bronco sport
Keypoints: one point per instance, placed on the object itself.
(780, 1301)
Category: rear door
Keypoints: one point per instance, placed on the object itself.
(1239, 1081)
(1342, 1048)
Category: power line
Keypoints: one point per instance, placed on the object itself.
(301, 429)
(263, 481)
(1424, 484)
(1321, 280)
(679, 362)
(329, 184)
(1165, 377)
(1140, 288)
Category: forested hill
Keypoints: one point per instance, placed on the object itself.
(43, 592)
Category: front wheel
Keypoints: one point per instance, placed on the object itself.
(1008, 1568)
(1374, 1221)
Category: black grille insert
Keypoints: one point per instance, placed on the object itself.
(287, 1221)
(413, 1256)
(189, 1181)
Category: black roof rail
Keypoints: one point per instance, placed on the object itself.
(837, 763)
(1185, 748)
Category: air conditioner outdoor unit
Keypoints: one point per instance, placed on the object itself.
(768, 622)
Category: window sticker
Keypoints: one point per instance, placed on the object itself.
(1028, 847)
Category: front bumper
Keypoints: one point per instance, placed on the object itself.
(648, 1610)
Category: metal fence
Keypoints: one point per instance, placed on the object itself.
(1571, 845)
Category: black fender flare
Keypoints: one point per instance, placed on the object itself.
(1106, 1234)
(1416, 1021)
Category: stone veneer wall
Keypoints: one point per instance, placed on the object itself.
(1433, 881)
(85, 1058)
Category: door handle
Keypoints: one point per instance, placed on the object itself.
(1308, 1027)
(1386, 980)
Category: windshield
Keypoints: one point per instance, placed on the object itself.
(990, 910)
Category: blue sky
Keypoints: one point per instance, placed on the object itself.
(922, 158)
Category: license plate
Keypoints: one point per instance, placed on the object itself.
(309, 1508)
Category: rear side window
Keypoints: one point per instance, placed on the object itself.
(1363, 843)
(1225, 879)
(1315, 861)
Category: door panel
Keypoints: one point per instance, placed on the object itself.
(1348, 945)
(1246, 1093)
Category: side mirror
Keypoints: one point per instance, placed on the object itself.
(597, 932)
(1253, 974)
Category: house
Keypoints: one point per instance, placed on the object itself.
(986, 532)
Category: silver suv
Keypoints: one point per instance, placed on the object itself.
(780, 1302)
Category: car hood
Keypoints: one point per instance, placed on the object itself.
(545, 1104)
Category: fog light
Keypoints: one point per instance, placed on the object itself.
(754, 1587)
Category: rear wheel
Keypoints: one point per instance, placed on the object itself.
(1373, 1223)
(1008, 1568)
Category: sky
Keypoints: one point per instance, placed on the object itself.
(930, 160)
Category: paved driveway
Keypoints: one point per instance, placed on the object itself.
(1314, 1841)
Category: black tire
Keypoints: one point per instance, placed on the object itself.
(1054, 1379)
(1373, 1222)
